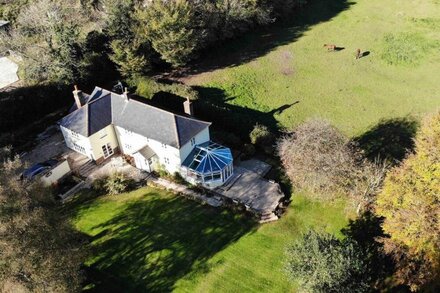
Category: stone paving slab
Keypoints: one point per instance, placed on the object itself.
(259, 167)
(252, 190)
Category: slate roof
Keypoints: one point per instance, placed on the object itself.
(104, 108)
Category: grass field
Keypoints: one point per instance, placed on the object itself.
(152, 241)
(284, 70)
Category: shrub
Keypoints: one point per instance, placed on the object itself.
(177, 178)
(320, 262)
(248, 151)
(261, 135)
(318, 158)
(99, 185)
(116, 183)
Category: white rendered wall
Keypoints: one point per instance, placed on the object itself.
(79, 140)
(130, 143)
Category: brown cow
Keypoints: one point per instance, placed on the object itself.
(330, 47)
(358, 53)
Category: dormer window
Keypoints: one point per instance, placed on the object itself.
(193, 141)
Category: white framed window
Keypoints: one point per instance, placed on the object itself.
(166, 160)
(128, 132)
(164, 146)
(107, 150)
(128, 146)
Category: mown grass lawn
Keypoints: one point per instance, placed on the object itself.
(150, 240)
(284, 71)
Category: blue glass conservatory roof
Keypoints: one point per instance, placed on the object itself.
(208, 157)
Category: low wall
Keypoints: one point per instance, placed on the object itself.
(56, 173)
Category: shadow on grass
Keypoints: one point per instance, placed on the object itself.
(367, 232)
(390, 139)
(157, 240)
(263, 40)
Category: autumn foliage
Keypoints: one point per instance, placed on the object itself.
(410, 203)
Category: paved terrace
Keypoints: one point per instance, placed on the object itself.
(252, 190)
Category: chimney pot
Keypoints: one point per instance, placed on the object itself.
(125, 94)
(188, 107)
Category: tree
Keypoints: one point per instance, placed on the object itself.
(39, 250)
(320, 262)
(173, 29)
(410, 203)
(318, 158)
(47, 37)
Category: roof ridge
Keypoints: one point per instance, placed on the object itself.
(176, 132)
(87, 119)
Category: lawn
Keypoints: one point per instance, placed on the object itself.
(282, 75)
(150, 240)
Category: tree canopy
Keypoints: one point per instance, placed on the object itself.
(39, 250)
(410, 200)
(320, 262)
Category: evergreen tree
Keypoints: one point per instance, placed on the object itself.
(320, 262)
(172, 27)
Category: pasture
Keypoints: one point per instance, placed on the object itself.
(284, 71)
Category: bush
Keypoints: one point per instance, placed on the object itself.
(320, 159)
(320, 262)
(117, 183)
(261, 135)
(177, 178)
(99, 185)
(248, 151)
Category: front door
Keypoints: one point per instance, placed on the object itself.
(107, 150)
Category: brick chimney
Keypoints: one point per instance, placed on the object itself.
(188, 107)
(77, 94)
(126, 95)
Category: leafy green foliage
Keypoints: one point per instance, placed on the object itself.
(410, 198)
(171, 27)
(117, 183)
(147, 88)
(39, 251)
(320, 262)
(261, 135)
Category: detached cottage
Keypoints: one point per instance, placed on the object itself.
(105, 123)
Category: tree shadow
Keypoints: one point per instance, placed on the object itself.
(264, 39)
(390, 139)
(155, 241)
(367, 232)
(225, 117)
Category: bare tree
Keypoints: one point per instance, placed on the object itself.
(318, 158)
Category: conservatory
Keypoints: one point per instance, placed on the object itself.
(209, 164)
